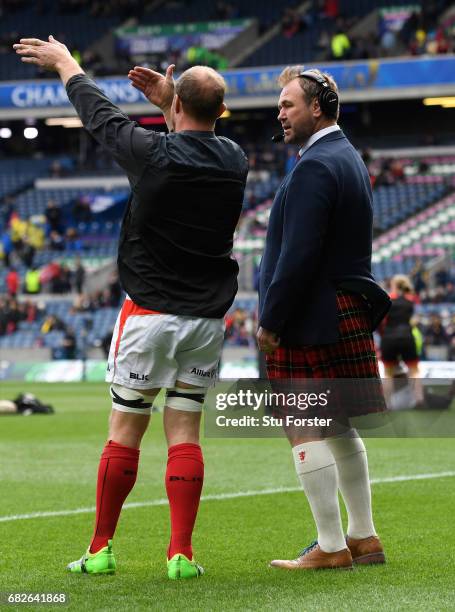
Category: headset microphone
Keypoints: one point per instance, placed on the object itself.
(278, 137)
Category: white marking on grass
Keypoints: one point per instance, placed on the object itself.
(213, 496)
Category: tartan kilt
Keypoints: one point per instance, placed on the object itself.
(351, 361)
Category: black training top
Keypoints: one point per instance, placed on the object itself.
(175, 249)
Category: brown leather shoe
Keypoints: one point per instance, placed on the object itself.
(315, 558)
(366, 551)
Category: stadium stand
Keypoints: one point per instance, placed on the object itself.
(57, 229)
(74, 24)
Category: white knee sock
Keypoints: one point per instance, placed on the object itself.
(352, 465)
(316, 469)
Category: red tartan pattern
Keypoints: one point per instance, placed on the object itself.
(353, 356)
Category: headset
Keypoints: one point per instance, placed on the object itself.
(327, 97)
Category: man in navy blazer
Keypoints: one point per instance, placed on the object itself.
(318, 306)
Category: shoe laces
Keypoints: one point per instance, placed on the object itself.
(308, 549)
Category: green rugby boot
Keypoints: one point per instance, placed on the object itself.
(181, 567)
(101, 562)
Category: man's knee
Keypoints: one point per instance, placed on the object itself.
(131, 400)
(187, 399)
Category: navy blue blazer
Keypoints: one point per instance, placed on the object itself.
(319, 239)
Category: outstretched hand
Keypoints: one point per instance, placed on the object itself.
(157, 88)
(46, 54)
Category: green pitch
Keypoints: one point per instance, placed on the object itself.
(48, 465)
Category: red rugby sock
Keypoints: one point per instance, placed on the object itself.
(116, 477)
(184, 479)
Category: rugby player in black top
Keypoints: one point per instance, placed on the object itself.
(176, 266)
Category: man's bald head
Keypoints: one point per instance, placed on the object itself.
(201, 91)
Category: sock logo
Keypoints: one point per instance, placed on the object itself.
(302, 456)
(193, 479)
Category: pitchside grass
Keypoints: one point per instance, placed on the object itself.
(50, 463)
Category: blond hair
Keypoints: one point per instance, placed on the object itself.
(402, 284)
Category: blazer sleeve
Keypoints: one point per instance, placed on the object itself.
(311, 194)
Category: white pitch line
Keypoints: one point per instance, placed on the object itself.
(213, 496)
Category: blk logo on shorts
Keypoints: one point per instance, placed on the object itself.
(302, 456)
(136, 376)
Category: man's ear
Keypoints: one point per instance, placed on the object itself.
(177, 104)
(222, 108)
(317, 112)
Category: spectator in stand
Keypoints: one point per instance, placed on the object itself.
(388, 42)
(69, 345)
(106, 343)
(78, 276)
(3, 316)
(417, 46)
(290, 22)
(73, 242)
(6, 209)
(239, 328)
(397, 170)
(437, 341)
(450, 293)
(32, 281)
(442, 277)
(391, 172)
(52, 323)
(56, 241)
(409, 28)
(61, 283)
(12, 316)
(31, 310)
(340, 44)
(56, 170)
(332, 9)
(92, 61)
(115, 290)
(82, 303)
(81, 209)
(53, 215)
(12, 282)
(7, 247)
(419, 276)
(27, 252)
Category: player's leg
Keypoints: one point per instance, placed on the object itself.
(197, 354)
(120, 458)
(184, 474)
(316, 470)
(351, 460)
(317, 473)
(117, 473)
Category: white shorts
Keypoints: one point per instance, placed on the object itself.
(150, 350)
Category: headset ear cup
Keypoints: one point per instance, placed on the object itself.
(328, 101)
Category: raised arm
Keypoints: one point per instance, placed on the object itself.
(127, 142)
